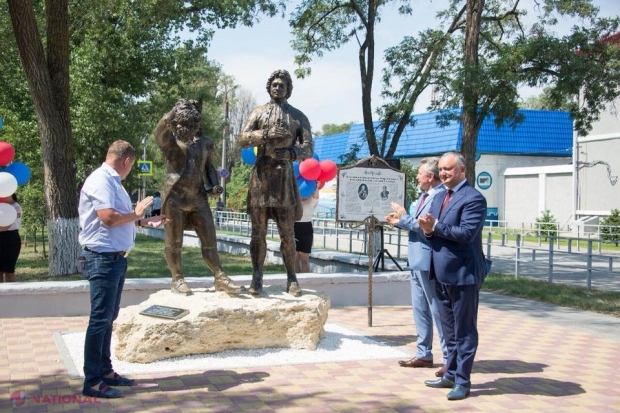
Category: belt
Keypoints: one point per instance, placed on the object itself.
(122, 253)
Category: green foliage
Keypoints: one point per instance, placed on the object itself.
(332, 129)
(545, 101)
(128, 67)
(546, 225)
(237, 188)
(349, 158)
(146, 261)
(610, 227)
(411, 190)
(321, 26)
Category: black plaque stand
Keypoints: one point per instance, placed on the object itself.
(381, 256)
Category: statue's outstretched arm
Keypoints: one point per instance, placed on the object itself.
(164, 137)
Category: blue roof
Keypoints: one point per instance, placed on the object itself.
(334, 146)
(540, 133)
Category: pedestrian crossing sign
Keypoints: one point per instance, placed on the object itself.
(145, 168)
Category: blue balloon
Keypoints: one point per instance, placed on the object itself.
(316, 156)
(296, 169)
(306, 188)
(248, 155)
(0, 123)
(20, 171)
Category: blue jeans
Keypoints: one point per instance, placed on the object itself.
(426, 310)
(106, 275)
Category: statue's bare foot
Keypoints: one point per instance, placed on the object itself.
(225, 284)
(179, 286)
(293, 288)
(256, 288)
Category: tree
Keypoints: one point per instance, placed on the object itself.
(610, 227)
(547, 225)
(544, 101)
(238, 187)
(325, 25)
(332, 129)
(47, 72)
(409, 72)
(484, 79)
(48, 81)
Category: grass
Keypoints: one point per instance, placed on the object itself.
(147, 261)
(527, 237)
(606, 302)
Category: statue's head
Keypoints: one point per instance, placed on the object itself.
(187, 117)
(284, 78)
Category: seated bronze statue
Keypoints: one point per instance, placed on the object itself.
(191, 177)
(282, 135)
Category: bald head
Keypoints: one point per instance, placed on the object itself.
(451, 169)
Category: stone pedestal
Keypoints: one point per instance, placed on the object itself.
(217, 322)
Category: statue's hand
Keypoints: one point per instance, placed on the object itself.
(278, 132)
(167, 118)
(280, 143)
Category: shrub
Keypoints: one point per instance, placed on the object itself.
(610, 227)
(546, 225)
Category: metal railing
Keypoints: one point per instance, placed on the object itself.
(352, 238)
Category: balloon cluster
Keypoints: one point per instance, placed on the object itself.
(12, 175)
(311, 174)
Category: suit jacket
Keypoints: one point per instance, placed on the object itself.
(456, 242)
(419, 248)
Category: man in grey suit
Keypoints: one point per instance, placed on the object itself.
(423, 295)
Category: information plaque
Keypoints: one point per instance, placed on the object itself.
(161, 311)
(367, 189)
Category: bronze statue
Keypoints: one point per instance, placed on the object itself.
(282, 135)
(191, 177)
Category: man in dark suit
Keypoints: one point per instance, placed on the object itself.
(454, 226)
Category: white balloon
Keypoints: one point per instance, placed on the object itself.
(8, 184)
(8, 214)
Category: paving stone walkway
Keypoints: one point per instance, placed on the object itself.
(532, 358)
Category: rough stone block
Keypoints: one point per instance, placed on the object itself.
(218, 322)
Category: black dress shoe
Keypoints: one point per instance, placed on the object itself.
(458, 392)
(441, 383)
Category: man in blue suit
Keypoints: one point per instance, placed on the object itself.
(423, 296)
(454, 226)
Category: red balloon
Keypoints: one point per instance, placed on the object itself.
(329, 169)
(310, 169)
(320, 185)
(7, 153)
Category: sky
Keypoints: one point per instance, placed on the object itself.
(332, 93)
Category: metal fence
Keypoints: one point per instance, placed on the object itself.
(514, 248)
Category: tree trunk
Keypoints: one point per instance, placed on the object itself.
(471, 123)
(48, 81)
(366, 61)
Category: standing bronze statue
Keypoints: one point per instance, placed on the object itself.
(282, 135)
(191, 177)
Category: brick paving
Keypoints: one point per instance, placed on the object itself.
(524, 364)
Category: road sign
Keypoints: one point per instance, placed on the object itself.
(484, 180)
(145, 168)
(224, 173)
